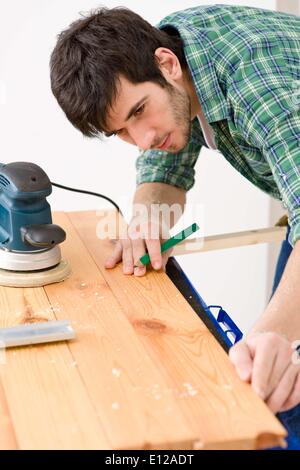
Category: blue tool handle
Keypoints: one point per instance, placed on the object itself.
(229, 324)
(182, 282)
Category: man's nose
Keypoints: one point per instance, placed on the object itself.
(143, 138)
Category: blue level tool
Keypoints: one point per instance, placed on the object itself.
(183, 284)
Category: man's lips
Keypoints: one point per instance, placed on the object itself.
(165, 143)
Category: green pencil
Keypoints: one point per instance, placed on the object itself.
(145, 259)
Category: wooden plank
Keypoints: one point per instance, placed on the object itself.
(230, 240)
(221, 411)
(48, 403)
(7, 435)
(129, 392)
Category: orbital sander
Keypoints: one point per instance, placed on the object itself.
(29, 243)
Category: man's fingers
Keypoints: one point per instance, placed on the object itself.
(240, 356)
(154, 251)
(294, 397)
(274, 376)
(282, 362)
(137, 241)
(114, 257)
(138, 250)
(166, 254)
(263, 363)
(283, 390)
(127, 256)
(165, 257)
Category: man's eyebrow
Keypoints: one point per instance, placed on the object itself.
(131, 112)
(135, 107)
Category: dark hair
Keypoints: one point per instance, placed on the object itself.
(92, 54)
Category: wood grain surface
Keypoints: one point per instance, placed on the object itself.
(143, 373)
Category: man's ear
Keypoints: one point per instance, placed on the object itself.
(169, 64)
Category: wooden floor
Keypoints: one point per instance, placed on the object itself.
(143, 373)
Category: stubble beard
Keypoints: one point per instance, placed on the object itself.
(181, 109)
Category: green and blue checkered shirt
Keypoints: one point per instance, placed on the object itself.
(245, 64)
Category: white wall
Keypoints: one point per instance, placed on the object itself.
(33, 128)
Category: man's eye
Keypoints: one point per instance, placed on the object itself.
(139, 110)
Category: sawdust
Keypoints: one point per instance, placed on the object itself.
(116, 372)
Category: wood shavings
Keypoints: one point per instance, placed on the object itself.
(116, 372)
(191, 391)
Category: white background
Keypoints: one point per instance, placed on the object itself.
(33, 128)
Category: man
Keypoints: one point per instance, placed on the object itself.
(225, 77)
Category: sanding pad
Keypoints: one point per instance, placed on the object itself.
(35, 278)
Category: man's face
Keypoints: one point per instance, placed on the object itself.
(151, 117)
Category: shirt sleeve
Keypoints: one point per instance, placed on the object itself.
(265, 101)
(174, 169)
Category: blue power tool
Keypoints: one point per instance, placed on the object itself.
(28, 239)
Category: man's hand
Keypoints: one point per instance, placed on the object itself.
(135, 243)
(267, 361)
(157, 207)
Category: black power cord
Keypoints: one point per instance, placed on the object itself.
(83, 191)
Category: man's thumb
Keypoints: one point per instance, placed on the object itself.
(241, 358)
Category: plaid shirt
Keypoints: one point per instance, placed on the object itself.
(245, 64)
